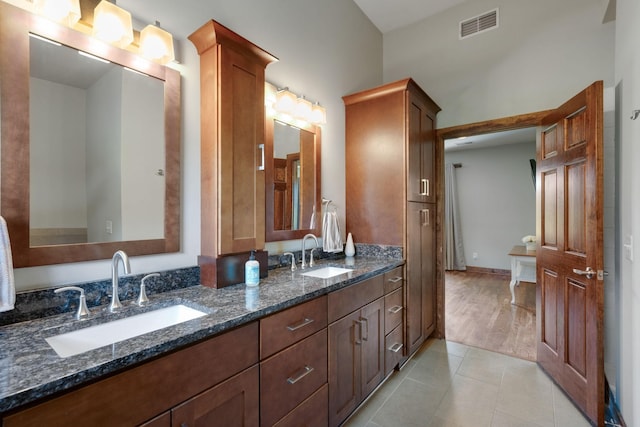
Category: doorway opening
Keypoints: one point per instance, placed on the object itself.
(490, 206)
(474, 306)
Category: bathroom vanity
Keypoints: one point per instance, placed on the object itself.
(272, 357)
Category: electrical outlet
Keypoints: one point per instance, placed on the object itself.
(109, 226)
(475, 255)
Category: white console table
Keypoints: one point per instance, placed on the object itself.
(523, 268)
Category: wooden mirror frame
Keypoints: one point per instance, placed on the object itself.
(15, 26)
(278, 235)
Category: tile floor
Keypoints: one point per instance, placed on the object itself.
(447, 384)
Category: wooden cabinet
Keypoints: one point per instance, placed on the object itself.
(310, 413)
(420, 274)
(356, 346)
(293, 348)
(356, 359)
(234, 402)
(148, 392)
(393, 318)
(391, 181)
(232, 144)
(421, 150)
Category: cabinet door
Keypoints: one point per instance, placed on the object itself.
(420, 287)
(371, 326)
(344, 367)
(428, 262)
(235, 402)
(241, 182)
(421, 152)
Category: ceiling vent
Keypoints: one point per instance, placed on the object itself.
(478, 24)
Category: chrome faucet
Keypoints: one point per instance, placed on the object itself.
(293, 260)
(115, 300)
(304, 239)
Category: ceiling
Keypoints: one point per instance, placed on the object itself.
(389, 15)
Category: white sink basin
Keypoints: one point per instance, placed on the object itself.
(76, 342)
(327, 272)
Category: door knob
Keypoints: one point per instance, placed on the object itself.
(588, 272)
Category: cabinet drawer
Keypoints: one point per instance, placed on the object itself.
(291, 376)
(282, 329)
(310, 413)
(394, 349)
(393, 310)
(353, 297)
(393, 279)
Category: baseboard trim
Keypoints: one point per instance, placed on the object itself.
(485, 270)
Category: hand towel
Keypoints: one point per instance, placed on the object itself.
(331, 240)
(7, 285)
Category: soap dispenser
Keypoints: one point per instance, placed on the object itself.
(252, 271)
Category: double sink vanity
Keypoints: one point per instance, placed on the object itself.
(274, 342)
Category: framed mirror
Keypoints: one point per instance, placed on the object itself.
(292, 180)
(90, 146)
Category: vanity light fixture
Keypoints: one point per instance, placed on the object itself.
(303, 109)
(156, 44)
(63, 11)
(286, 101)
(288, 106)
(112, 24)
(318, 114)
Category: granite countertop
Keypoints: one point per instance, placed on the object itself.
(31, 370)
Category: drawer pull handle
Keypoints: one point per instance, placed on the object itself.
(366, 323)
(302, 324)
(305, 371)
(395, 309)
(359, 323)
(396, 279)
(396, 347)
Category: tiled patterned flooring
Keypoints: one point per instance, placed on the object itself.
(453, 385)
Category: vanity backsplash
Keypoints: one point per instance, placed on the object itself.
(44, 302)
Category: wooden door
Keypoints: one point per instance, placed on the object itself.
(428, 267)
(235, 402)
(415, 285)
(344, 367)
(421, 152)
(241, 181)
(372, 323)
(569, 297)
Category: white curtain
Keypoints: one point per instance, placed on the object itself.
(454, 255)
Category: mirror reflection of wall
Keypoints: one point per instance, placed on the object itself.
(96, 150)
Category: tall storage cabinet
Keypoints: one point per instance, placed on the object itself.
(232, 144)
(390, 185)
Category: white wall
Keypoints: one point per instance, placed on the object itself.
(627, 77)
(57, 150)
(542, 53)
(497, 201)
(326, 49)
(104, 197)
(143, 153)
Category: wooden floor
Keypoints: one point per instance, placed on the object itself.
(479, 313)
